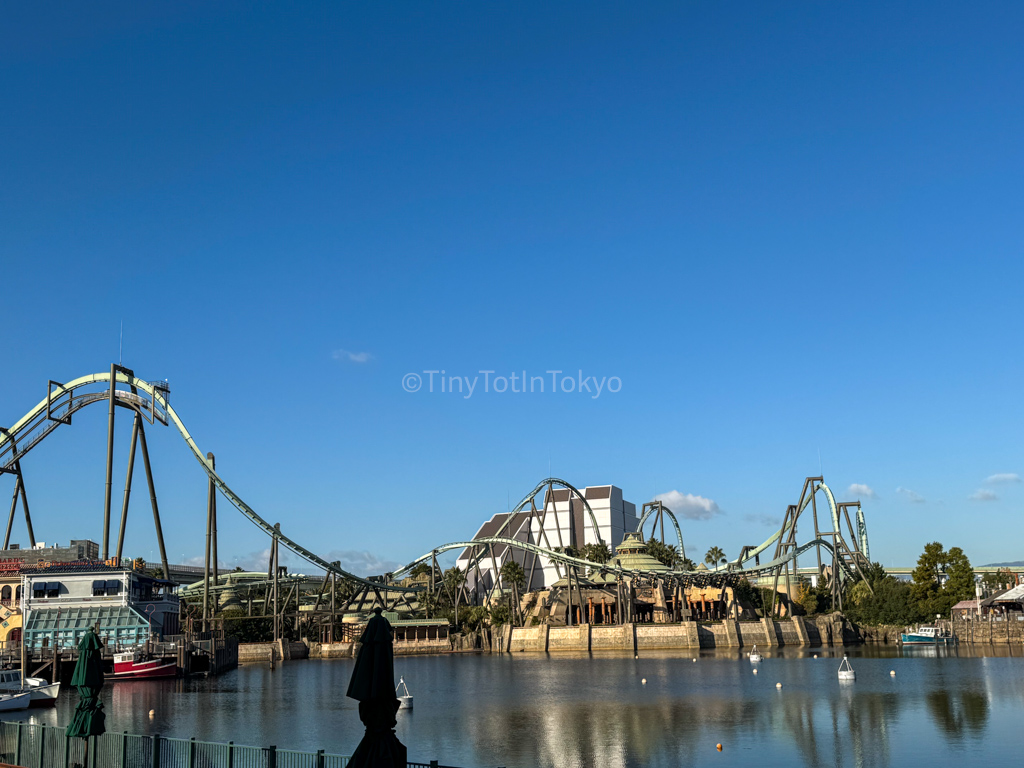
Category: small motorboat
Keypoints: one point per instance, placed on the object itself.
(927, 636)
(10, 702)
(43, 692)
(845, 670)
(404, 701)
(754, 655)
(133, 665)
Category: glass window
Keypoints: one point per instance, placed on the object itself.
(98, 588)
(39, 589)
(53, 589)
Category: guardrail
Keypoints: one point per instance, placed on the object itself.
(45, 746)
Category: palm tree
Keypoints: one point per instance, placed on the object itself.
(715, 556)
(512, 573)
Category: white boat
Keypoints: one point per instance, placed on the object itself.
(13, 701)
(846, 671)
(405, 701)
(43, 692)
(754, 656)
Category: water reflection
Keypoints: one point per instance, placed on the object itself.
(958, 712)
(593, 710)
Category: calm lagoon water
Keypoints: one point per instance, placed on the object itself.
(525, 710)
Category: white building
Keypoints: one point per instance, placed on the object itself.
(60, 602)
(562, 522)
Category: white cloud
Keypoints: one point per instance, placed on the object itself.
(765, 520)
(912, 496)
(983, 494)
(352, 357)
(688, 506)
(1005, 477)
(361, 562)
(863, 491)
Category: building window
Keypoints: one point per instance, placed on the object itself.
(5, 593)
(39, 589)
(53, 589)
(113, 587)
(99, 588)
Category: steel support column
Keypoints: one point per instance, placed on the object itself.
(127, 487)
(110, 465)
(152, 500)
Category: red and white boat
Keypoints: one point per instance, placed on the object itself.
(133, 666)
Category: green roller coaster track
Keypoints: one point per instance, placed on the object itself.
(63, 400)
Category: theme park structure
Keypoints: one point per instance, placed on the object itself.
(837, 540)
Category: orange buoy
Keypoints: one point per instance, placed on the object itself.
(718, 747)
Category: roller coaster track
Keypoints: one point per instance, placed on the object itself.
(675, 524)
(64, 400)
(578, 562)
(52, 412)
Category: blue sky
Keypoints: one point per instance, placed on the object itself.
(790, 232)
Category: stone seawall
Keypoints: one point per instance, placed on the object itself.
(688, 635)
(265, 653)
(990, 630)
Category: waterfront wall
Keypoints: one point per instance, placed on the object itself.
(690, 634)
(282, 650)
(1009, 631)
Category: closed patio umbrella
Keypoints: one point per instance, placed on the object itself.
(88, 719)
(373, 686)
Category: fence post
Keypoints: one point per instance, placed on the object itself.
(17, 743)
(192, 752)
(319, 758)
(156, 751)
(231, 755)
(272, 756)
(67, 752)
(124, 750)
(42, 746)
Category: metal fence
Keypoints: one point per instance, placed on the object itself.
(31, 745)
(45, 746)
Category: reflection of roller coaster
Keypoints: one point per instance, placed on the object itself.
(149, 402)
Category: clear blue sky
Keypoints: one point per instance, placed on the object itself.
(789, 231)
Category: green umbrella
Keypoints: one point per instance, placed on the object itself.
(88, 719)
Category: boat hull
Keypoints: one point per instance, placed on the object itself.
(40, 696)
(921, 640)
(11, 702)
(146, 670)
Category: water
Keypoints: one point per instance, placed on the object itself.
(525, 710)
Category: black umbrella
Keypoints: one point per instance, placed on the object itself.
(373, 686)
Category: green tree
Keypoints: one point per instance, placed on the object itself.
(715, 556)
(513, 575)
(597, 553)
(663, 553)
(420, 570)
(927, 576)
(934, 567)
(959, 577)
(882, 599)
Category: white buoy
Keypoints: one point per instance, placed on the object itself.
(778, 685)
(892, 673)
(152, 713)
(643, 681)
(755, 670)
(694, 660)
